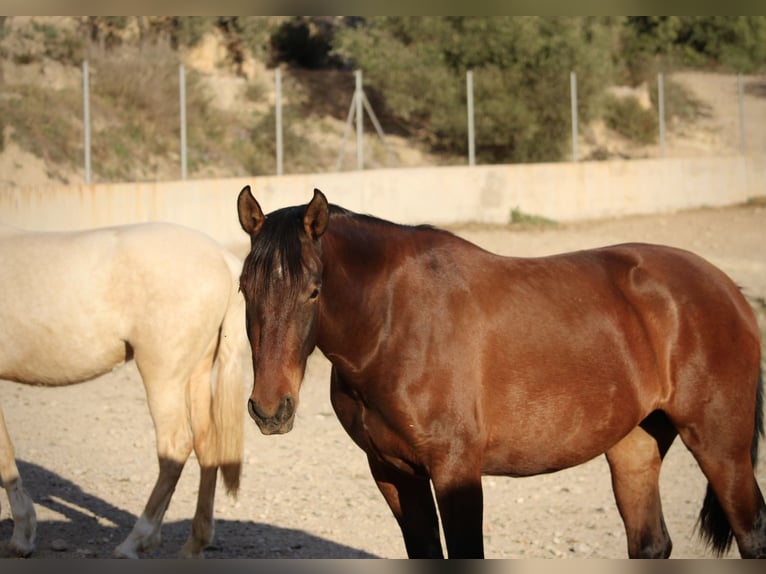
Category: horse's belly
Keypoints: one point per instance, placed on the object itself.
(538, 458)
(60, 359)
(534, 443)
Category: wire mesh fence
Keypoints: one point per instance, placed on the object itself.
(288, 121)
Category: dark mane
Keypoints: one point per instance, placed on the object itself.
(371, 219)
(278, 246)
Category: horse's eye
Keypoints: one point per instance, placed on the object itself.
(314, 294)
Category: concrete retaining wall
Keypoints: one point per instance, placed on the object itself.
(559, 191)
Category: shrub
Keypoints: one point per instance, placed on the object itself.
(518, 217)
(628, 118)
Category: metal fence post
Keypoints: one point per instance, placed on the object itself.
(278, 116)
(661, 110)
(573, 91)
(86, 118)
(182, 105)
(469, 97)
(358, 100)
(741, 105)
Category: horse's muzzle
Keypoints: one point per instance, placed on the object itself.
(278, 423)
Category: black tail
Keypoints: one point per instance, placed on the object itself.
(713, 525)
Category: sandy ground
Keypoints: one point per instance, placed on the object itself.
(86, 452)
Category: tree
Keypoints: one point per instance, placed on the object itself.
(521, 68)
(735, 43)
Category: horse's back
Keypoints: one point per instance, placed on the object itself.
(72, 304)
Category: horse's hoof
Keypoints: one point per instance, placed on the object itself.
(21, 548)
(122, 552)
(191, 550)
(191, 555)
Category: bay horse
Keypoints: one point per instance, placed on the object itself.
(450, 362)
(75, 305)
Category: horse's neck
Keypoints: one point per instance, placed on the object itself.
(356, 253)
(355, 263)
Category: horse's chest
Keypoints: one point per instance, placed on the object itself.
(370, 431)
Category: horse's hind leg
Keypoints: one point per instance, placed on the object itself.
(22, 509)
(734, 503)
(203, 524)
(167, 404)
(412, 504)
(635, 464)
(145, 534)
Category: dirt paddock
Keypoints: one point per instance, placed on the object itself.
(86, 452)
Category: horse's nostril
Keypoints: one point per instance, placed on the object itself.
(286, 408)
(254, 411)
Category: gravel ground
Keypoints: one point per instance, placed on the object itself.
(86, 452)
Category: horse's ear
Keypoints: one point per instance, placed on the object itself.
(251, 216)
(316, 216)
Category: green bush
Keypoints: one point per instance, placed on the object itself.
(60, 45)
(628, 118)
(520, 218)
(521, 68)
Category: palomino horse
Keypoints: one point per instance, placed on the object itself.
(450, 362)
(74, 305)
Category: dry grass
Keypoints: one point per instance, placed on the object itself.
(40, 120)
(135, 122)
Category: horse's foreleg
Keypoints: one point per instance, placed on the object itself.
(412, 504)
(635, 464)
(461, 505)
(457, 486)
(22, 509)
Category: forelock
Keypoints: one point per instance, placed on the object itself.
(275, 259)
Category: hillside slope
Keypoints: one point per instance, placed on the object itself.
(231, 108)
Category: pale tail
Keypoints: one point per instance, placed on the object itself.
(229, 393)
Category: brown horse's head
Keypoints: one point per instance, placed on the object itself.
(281, 281)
